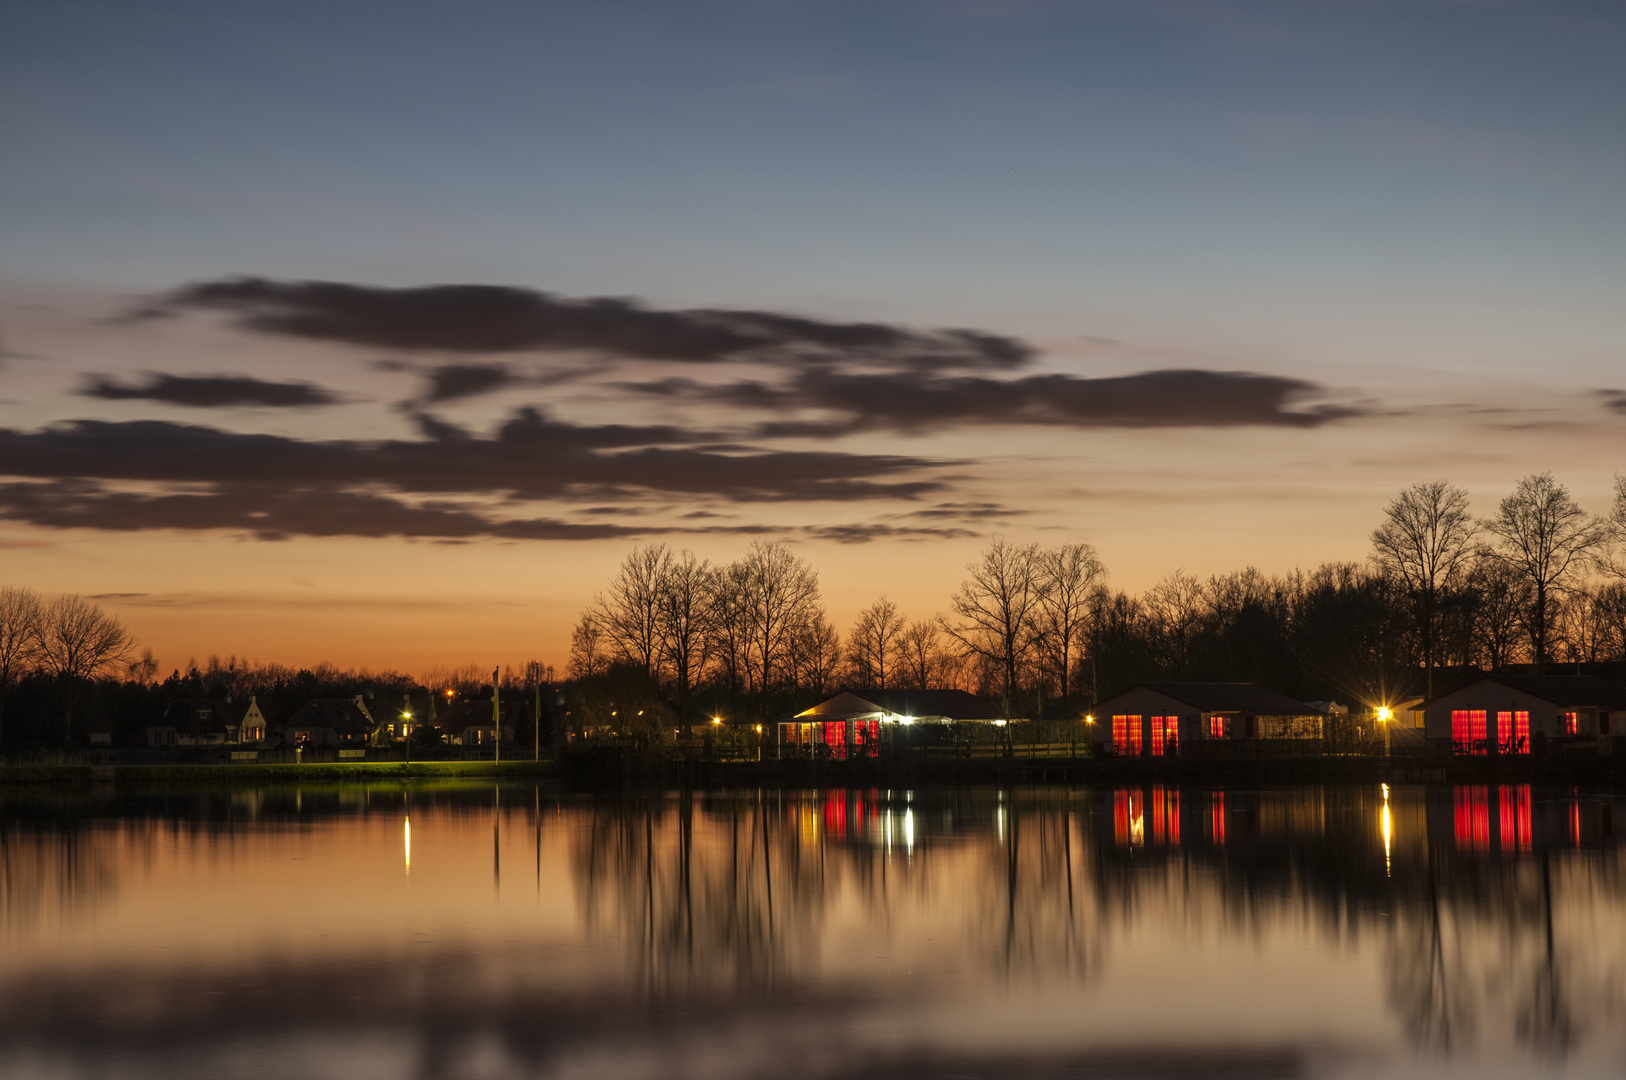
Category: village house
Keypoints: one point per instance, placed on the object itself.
(848, 722)
(468, 722)
(1205, 718)
(1526, 714)
(342, 722)
(208, 722)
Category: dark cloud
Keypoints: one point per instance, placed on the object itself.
(896, 401)
(865, 532)
(451, 381)
(211, 391)
(967, 511)
(271, 485)
(498, 319)
(271, 515)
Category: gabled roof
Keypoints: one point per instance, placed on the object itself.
(844, 706)
(952, 704)
(200, 716)
(344, 715)
(476, 712)
(1238, 697)
(1573, 691)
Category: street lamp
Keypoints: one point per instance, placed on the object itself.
(406, 729)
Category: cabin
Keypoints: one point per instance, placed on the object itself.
(208, 722)
(1527, 714)
(1162, 719)
(343, 722)
(848, 723)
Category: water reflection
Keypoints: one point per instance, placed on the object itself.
(365, 931)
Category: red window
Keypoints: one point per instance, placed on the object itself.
(1570, 725)
(1513, 732)
(1126, 735)
(1468, 730)
(1165, 730)
(1157, 737)
(1216, 727)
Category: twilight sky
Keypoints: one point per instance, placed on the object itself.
(377, 333)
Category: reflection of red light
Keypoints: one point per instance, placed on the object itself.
(1515, 817)
(1159, 809)
(1575, 823)
(1216, 816)
(1472, 818)
(1174, 817)
(835, 814)
(1127, 817)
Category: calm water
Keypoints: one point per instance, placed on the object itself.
(462, 931)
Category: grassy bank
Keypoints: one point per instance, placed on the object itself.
(273, 774)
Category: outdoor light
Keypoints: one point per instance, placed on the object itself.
(906, 719)
(999, 723)
(759, 729)
(1384, 713)
(1089, 719)
(717, 719)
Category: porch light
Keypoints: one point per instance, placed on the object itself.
(906, 719)
(999, 723)
(1384, 714)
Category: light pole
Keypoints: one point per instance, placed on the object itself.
(1384, 716)
(406, 729)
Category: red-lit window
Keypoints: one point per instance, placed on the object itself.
(1157, 738)
(1468, 730)
(1504, 732)
(1472, 819)
(1515, 817)
(1570, 725)
(1513, 732)
(1216, 727)
(1521, 733)
(835, 737)
(1126, 735)
(1165, 731)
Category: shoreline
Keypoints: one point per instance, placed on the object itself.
(607, 771)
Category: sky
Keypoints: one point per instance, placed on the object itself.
(379, 333)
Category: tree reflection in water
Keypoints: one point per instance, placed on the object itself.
(860, 927)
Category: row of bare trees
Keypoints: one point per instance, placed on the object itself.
(67, 639)
(1535, 582)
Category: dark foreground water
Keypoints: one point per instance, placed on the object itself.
(461, 931)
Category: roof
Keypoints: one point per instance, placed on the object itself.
(201, 716)
(344, 715)
(952, 704)
(844, 706)
(1238, 697)
(949, 704)
(476, 712)
(1576, 691)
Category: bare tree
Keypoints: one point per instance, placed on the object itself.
(1175, 609)
(998, 608)
(587, 649)
(1426, 540)
(20, 612)
(630, 615)
(79, 641)
(816, 653)
(1068, 577)
(922, 660)
(873, 644)
(685, 596)
(1501, 600)
(1547, 538)
(779, 594)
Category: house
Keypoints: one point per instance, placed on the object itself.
(208, 722)
(849, 721)
(468, 722)
(1163, 718)
(343, 722)
(1523, 714)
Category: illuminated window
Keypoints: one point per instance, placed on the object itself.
(1157, 740)
(1216, 727)
(1570, 724)
(1126, 735)
(1468, 730)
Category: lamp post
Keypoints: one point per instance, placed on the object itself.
(1384, 716)
(406, 729)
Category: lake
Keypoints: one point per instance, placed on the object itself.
(456, 929)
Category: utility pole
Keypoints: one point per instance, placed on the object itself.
(496, 716)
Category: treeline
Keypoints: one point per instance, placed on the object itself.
(675, 637)
(67, 666)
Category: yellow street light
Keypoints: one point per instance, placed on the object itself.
(1384, 714)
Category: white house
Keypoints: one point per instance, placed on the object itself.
(1162, 718)
(1523, 714)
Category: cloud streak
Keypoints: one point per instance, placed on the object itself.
(903, 402)
(486, 319)
(211, 392)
